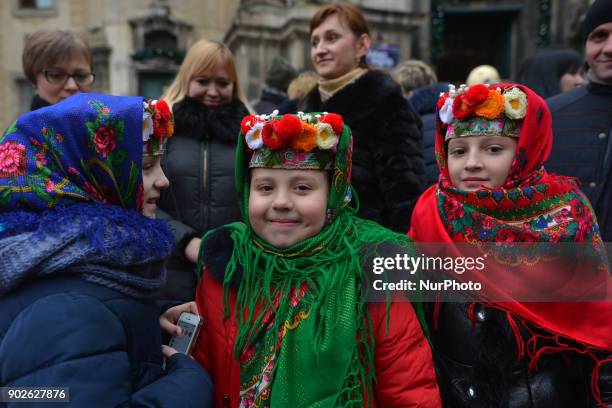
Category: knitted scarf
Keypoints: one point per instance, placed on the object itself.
(532, 206)
(304, 332)
(104, 244)
(70, 182)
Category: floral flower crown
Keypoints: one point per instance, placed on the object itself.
(301, 141)
(481, 110)
(157, 121)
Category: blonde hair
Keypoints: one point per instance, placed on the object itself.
(203, 57)
(483, 74)
(413, 74)
(302, 84)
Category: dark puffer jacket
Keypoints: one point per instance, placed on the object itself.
(100, 344)
(199, 162)
(388, 170)
(582, 145)
(424, 102)
(271, 98)
(477, 366)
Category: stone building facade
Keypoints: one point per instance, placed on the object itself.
(138, 44)
(264, 28)
(452, 35)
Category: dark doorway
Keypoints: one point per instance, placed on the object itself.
(471, 38)
(153, 85)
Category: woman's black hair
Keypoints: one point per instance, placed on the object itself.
(542, 71)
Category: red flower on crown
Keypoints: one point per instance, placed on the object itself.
(162, 121)
(335, 121)
(164, 110)
(461, 109)
(278, 134)
(248, 122)
(287, 127)
(476, 95)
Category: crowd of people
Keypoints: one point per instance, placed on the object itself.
(118, 214)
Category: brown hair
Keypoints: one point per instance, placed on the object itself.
(348, 14)
(45, 48)
(203, 57)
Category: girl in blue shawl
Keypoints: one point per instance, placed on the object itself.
(79, 260)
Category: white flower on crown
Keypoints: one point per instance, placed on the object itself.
(515, 103)
(446, 111)
(326, 138)
(253, 137)
(147, 124)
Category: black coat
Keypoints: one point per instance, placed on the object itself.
(582, 145)
(199, 162)
(38, 102)
(477, 366)
(388, 170)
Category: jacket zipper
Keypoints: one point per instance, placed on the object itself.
(205, 168)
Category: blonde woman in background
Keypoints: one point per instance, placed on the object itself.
(208, 106)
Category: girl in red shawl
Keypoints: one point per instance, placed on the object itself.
(491, 143)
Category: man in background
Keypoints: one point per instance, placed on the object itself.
(274, 91)
(582, 120)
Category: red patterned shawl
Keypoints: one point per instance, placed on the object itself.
(532, 206)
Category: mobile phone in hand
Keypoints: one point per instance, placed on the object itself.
(190, 327)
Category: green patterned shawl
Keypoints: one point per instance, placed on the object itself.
(304, 333)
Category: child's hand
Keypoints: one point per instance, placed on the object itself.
(192, 249)
(168, 320)
(168, 351)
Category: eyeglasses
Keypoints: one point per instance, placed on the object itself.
(57, 77)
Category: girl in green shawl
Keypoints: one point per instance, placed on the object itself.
(282, 295)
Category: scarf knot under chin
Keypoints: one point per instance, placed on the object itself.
(104, 244)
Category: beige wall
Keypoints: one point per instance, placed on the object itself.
(109, 20)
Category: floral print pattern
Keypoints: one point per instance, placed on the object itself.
(105, 140)
(77, 151)
(12, 159)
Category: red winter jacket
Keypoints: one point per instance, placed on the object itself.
(404, 367)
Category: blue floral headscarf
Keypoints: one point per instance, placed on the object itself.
(71, 192)
(75, 151)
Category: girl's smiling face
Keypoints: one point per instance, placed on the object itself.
(475, 162)
(287, 206)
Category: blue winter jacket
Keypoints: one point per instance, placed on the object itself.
(582, 129)
(103, 345)
(424, 102)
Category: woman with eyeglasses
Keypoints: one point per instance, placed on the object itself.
(58, 64)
